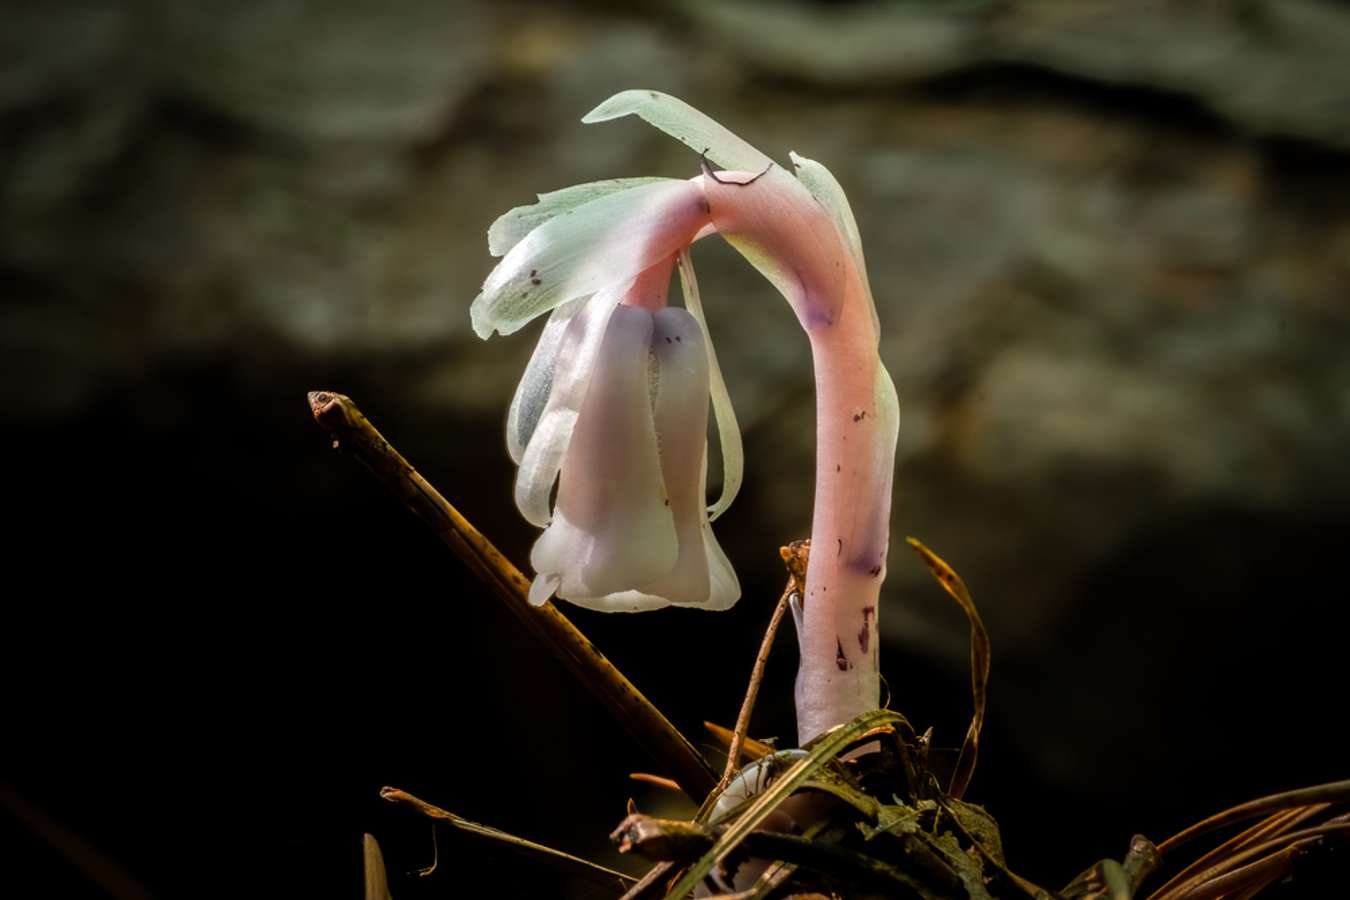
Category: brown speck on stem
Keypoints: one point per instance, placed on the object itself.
(865, 633)
(840, 659)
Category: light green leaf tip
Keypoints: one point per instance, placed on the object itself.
(681, 121)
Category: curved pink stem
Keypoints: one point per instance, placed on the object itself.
(795, 242)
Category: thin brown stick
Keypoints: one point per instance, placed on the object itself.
(93, 863)
(657, 780)
(351, 431)
(566, 863)
(752, 691)
(796, 557)
(646, 886)
(1332, 792)
(751, 749)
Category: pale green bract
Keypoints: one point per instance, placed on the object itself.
(684, 123)
(512, 226)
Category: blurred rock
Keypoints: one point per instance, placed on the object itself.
(1271, 66)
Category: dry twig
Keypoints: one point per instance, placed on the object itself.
(352, 432)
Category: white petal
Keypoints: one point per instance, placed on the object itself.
(625, 601)
(535, 385)
(612, 530)
(543, 455)
(728, 431)
(543, 587)
(681, 417)
(512, 226)
(822, 184)
(684, 123)
(725, 586)
(609, 239)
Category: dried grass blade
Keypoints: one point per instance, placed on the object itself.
(751, 750)
(1270, 827)
(1332, 792)
(822, 750)
(1188, 887)
(353, 432)
(565, 863)
(377, 882)
(979, 664)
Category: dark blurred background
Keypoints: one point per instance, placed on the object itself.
(1110, 243)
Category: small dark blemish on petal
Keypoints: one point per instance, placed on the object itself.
(535, 281)
(679, 339)
(841, 548)
(534, 272)
(837, 467)
(874, 571)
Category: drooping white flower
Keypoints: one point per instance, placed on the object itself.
(597, 257)
(614, 402)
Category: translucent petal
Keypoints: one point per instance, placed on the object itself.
(512, 226)
(543, 455)
(543, 587)
(609, 239)
(681, 417)
(626, 601)
(612, 529)
(725, 586)
(822, 184)
(728, 431)
(684, 123)
(533, 391)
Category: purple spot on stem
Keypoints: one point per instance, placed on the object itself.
(865, 634)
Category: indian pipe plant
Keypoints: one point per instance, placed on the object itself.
(613, 408)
